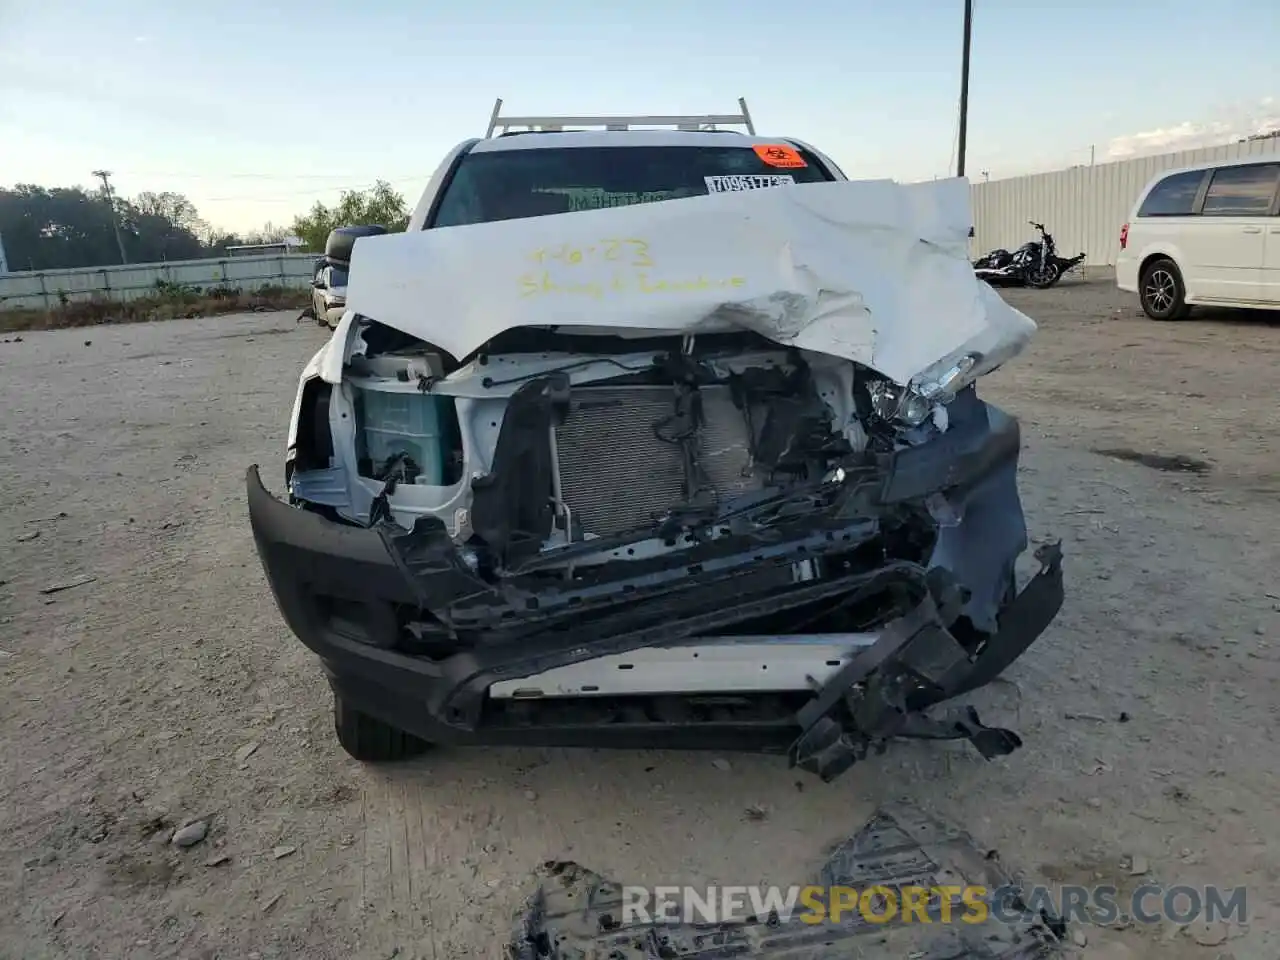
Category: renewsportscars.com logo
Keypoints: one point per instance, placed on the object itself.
(1103, 905)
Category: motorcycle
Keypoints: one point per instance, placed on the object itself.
(1034, 264)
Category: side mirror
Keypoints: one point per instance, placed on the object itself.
(318, 284)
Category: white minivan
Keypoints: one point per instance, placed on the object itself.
(1208, 234)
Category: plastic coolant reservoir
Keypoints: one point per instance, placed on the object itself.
(408, 423)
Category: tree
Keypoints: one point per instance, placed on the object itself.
(46, 228)
(160, 226)
(174, 207)
(379, 204)
(267, 233)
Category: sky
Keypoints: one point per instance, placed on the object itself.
(256, 109)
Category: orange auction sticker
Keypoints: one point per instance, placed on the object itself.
(779, 155)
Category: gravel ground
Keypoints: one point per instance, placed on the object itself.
(166, 689)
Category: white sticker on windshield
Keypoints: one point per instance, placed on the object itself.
(732, 184)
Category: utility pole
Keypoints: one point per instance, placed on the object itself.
(115, 218)
(964, 87)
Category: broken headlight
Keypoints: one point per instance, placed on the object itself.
(943, 386)
(904, 404)
(915, 403)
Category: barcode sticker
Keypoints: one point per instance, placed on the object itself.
(732, 184)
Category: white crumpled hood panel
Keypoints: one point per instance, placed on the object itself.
(872, 271)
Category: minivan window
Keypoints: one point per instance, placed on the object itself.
(511, 184)
(1245, 191)
(1173, 196)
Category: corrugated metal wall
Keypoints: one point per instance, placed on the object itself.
(1083, 207)
(43, 289)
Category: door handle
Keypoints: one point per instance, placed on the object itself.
(1252, 229)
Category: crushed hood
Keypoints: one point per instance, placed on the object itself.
(872, 271)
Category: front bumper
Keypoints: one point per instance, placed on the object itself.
(332, 313)
(344, 591)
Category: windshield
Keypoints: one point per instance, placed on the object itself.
(337, 277)
(511, 184)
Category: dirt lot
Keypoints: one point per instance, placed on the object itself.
(168, 689)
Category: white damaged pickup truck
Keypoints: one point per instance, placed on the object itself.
(659, 439)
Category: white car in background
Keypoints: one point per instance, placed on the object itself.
(1208, 234)
(329, 293)
(329, 282)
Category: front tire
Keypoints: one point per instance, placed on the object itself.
(1162, 292)
(369, 740)
(1042, 278)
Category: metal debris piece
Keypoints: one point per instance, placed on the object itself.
(576, 913)
(67, 585)
(60, 515)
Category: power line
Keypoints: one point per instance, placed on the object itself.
(286, 196)
(282, 196)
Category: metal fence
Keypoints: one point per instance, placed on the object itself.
(43, 289)
(1083, 207)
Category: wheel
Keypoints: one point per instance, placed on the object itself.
(1163, 295)
(1042, 278)
(369, 740)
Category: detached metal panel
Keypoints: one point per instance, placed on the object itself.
(1083, 207)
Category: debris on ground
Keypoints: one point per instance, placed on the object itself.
(1208, 934)
(245, 752)
(720, 763)
(190, 835)
(28, 537)
(60, 515)
(67, 584)
(577, 913)
(282, 851)
(1084, 716)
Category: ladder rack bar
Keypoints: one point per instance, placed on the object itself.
(558, 123)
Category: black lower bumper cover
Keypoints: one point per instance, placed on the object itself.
(916, 663)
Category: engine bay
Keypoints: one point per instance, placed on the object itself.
(545, 447)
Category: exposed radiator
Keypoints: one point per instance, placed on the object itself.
(617, 475)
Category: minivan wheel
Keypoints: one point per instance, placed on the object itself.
(369, 740)
(1162, 293)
